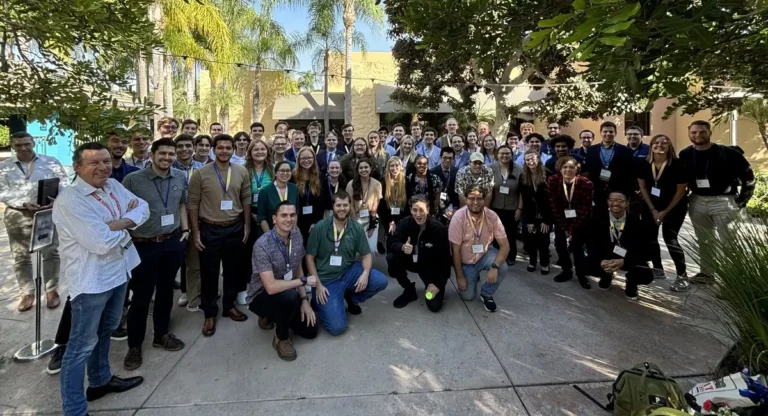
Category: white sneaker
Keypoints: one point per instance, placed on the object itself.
(242, 298)
(183, 301)
(193, 308)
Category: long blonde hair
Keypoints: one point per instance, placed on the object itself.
(379, 150)
(396, 186)
(413, 154)
(267, 161)
(534, 177)
(311, 175)
(670, 150)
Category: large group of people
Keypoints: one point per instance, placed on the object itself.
(292, 222)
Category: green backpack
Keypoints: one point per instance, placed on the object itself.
(642, 389)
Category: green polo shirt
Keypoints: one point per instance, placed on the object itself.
(321, 246)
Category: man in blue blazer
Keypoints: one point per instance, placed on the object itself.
(609, 165)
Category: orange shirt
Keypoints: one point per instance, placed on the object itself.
(464, 232)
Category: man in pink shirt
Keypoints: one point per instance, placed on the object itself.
(471, 232)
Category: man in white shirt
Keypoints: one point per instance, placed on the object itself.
(18, 191)
(92, 218)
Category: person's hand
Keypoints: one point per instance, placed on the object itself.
(493, 275)
(544, 228)
(618, 264)
(531, 228)
(307, 314)
(461, 282)
(433, 289)
(369, 233)
(184, 236)
(449, 213)
(321, 293)
(198, 242)
(312, 280)
(362, 282)
(247, 230)
(392, 227)
(518, 214)
(569, 237)
(131, 205)
(605, 264)
(407, 247)
(31, 206)
(311, 227)
(660, 215)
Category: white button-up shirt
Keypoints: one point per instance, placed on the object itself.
(93, 257)
(18, 187)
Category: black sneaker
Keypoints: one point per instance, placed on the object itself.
(408, 296)
(584, 282)
(531, 268)
(605, 283)
(54, 367)
(488, 303)
(564, 276)
(119, 334)
(352, 308)
(511, 262)
(380, 248)
(544, 270)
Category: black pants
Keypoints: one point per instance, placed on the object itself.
(638, 274)
(398, 266)
(155, 274)
(564, 251)
(507, 218)
(246, 267)
(223, 248)
(284, 309)
(537, 244)
(670, 229)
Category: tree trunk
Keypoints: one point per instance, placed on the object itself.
(142, 87)
(168, 86)
(156, 16)
(189, 87)
(349, 27)
(764, 135)
(501, 122)
(326, 113)
(224, 111)
(256, 96)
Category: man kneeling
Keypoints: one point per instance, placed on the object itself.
(331, 250)
(420, 245)
(276, 293)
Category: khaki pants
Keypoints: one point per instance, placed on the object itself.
(193, 274)
(18, 225)
(711, 217)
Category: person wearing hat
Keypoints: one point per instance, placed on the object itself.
(475, 175)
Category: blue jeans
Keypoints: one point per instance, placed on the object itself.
(472, 274)
(94, 317)
(333, 315)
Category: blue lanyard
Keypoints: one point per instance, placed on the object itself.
(221, 180)
(603, 151)
(285, 251)
(167, 192)
(259, 179)
(706, 168)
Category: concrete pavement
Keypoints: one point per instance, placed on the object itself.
(521, 360)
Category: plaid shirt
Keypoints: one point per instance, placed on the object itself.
(581, 202)
(465, 179)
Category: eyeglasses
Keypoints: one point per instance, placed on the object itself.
(617, 201)
(283, 171)
(305, 159)
(475, 199)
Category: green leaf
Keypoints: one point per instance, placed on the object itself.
(541, 34)
(579, 4)
(613, 40)
(537, 38)
(556, 21)
(618, 27)
(632, 79)
(701, 36)
(577, 36)
(624, 13)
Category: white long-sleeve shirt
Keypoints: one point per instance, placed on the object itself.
(93, 257)
(18, 185)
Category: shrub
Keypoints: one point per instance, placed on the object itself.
(5, 136)
(758, 205)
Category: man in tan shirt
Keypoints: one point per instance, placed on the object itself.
(220, 218)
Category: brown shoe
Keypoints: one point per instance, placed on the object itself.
(235, 315)
(209, 327)
(265, 324)
(26, 303)
(52, 300)
(284, 348)
(133, 359)
(168, 342)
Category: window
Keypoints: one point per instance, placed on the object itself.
(642, 120)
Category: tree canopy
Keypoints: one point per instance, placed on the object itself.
(65, 60)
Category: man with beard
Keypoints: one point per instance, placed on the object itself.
(475, 175)
(345, 144)
(140, 141)
(452, 127)
(333, 245)
(160, 243)
(117, 147)
(553, 129)
(220, 219)
(472, 231)
(313, 130)
(461, 156)
(483, 129)
(586, 137)
(189, 127)
(427, 147)
(257, 131)
(562, 144)
(393, 144)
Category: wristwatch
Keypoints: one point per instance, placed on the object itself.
(494, 266)
(303, 279)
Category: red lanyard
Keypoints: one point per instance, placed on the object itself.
(108, 207)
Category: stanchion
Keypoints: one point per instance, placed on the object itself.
(42, 236)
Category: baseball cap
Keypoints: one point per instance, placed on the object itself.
(476, 157)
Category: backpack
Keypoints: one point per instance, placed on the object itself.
(642, 389)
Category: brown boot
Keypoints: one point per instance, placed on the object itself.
(265, 324)
(284, 348)
(52, 300)
(235, 315)
(209, 327)
(26, 303)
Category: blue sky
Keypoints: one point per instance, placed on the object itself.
(289, 18)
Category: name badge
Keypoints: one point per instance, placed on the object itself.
(335, 260)
(443, 195)
(396, 211)
(478, 249)
(255, 198)
(226, 205)
(364, 213)
(504, 190)
(605, 174)
(306, 210)
(620, 251)
(702, 183)
(655, 191)
(415, 258)
(166, 220)
(288, 276)
(570, 213)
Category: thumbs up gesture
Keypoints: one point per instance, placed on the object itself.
(407, 247)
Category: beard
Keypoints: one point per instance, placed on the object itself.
(340, 216)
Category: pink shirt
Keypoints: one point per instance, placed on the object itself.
(462, 232)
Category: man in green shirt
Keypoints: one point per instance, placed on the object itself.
(332, 248)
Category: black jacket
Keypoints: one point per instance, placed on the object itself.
(434, 248)
(536, 209)
(634, 239)
(449, 185)
(621, 167)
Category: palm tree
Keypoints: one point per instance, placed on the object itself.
(756, 110)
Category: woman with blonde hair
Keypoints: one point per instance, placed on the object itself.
(378, 152)
(537, 214)
(393, 206)
(488, 149)
(407, 153)
(306, 176)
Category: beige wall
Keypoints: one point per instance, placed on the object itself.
(376, 65)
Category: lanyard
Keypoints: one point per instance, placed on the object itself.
(283, 196)
(259, 178)
(167, 192)
(504, 174)
(306, 194)
(281, 247)
(348, 148)
(394, 196)
(431, 152)
(108, 207)
(332, 189)
(655, 175)
(31, 169)
(338, 235)
(569, 196)
(616, 234)
(603, 152)
(224, 186)
(364, 202)
(475, 229)
(706, 168)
